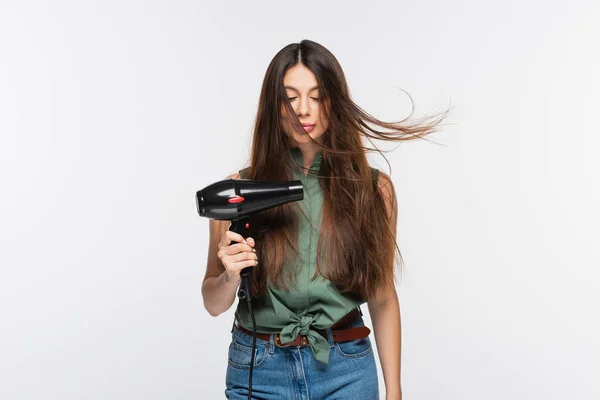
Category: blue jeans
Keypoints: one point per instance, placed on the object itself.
(294, 373)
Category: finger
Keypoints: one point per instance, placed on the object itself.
(237, 248)
(240, 265)
(251, 243)
(240, 257)
(235, 237)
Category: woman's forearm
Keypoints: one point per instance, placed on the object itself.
(218, 293)
(388, 337)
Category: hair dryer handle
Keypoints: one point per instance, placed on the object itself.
(242, 227)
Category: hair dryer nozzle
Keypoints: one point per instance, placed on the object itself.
(231, 199)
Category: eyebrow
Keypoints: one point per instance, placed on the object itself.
(293, 88)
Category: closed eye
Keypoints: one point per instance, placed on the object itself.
(294, 98)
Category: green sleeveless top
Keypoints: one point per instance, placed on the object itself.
(309, 304)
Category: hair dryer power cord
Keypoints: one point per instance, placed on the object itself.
(244, 293)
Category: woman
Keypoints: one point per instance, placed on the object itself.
(320, 258)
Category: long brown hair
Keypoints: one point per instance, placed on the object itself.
(357, 247)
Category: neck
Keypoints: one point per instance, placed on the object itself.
(308, 151)
(308, 156)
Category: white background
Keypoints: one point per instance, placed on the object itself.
(114, 113)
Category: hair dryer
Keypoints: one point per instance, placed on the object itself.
(236, 200)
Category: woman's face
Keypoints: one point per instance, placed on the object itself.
(304, 97)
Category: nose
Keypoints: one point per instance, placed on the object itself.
(303, 107)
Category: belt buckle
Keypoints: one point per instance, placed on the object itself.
(303, 341)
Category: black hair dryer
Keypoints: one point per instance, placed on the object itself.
(237, 199)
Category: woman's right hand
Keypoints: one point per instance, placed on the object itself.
(236, 254)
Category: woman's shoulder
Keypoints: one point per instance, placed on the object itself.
(234, 176)
(375, 173)
(243, 173)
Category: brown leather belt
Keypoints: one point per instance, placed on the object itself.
(339, 334)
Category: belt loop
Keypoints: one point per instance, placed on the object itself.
(271, 343)
(330, 338)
